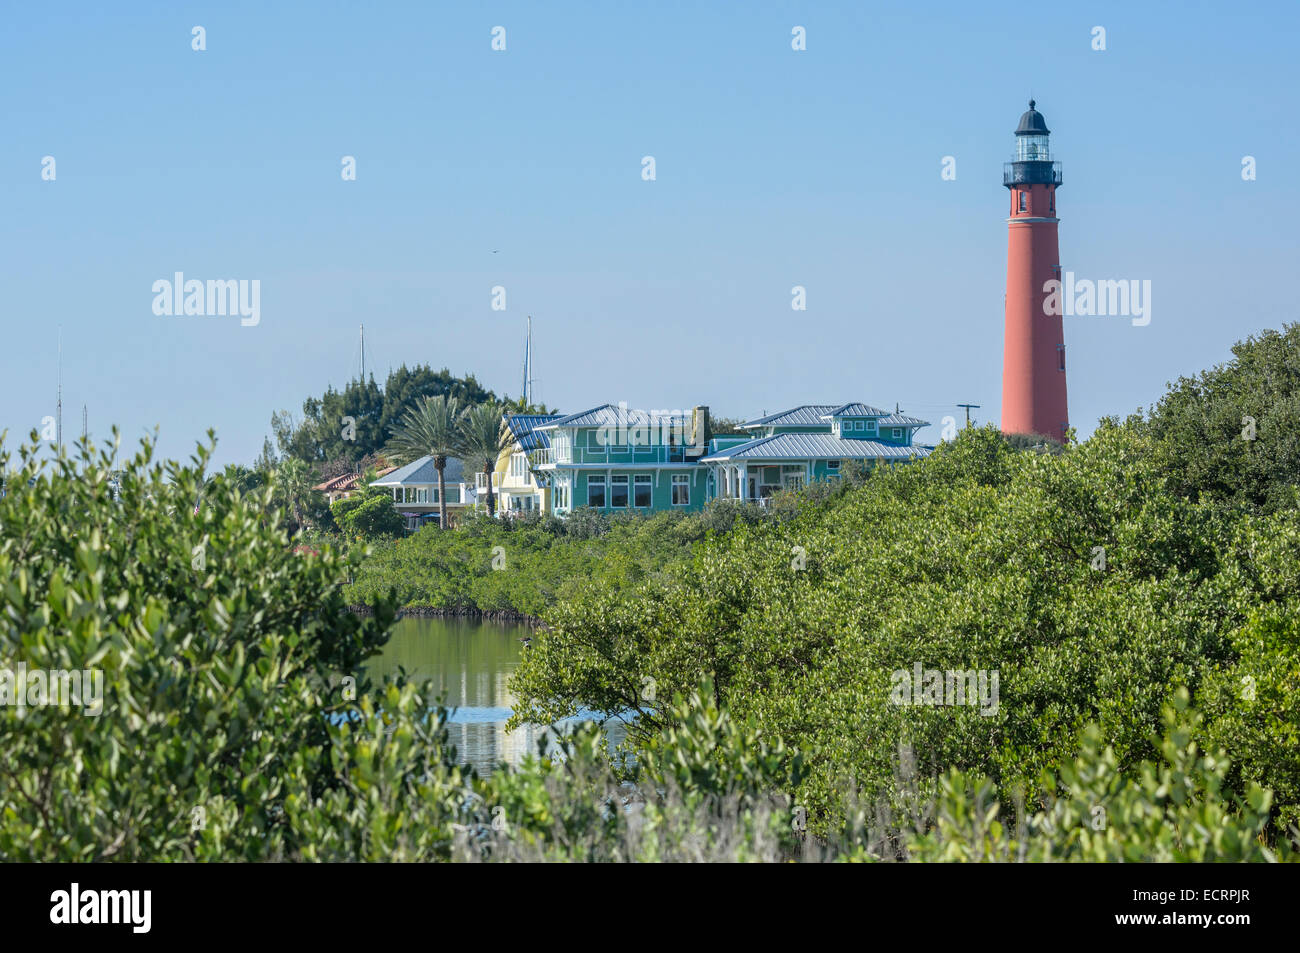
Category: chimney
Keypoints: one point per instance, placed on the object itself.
(700, 428)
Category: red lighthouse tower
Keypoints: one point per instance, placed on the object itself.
(1033, 355)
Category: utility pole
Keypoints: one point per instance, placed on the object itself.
(968, 410)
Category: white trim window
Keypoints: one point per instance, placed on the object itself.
(681, 489)
(870, 426)
(618, 492)
(833, 465)
(642, 491)
(596, 492)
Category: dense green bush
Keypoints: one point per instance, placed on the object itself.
(1253, 707)
(1172, 809)
(1233, 432)
(1090, 588)
(341, 510)
(228, 728)
(369, 514)
(526, 564)
(376, 516)
(714, 789)
(1111, 586)
(217, 645)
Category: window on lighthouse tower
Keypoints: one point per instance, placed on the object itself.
(1022, 201)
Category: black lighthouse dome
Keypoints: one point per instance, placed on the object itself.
(1033, 164)
(1032, 123)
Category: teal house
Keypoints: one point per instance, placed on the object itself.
(615, 459)
(812, 442)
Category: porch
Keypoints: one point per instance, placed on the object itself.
(757, 482)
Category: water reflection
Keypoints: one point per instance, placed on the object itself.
(470, 663)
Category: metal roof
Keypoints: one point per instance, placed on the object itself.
(571, 418)
(816, 415)
(901, 420)
(523, 427)
(1032, 123)
(815, 446)
(805, 415)
(423, 471)
(857, 410)
(607, 415)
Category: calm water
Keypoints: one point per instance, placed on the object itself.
(470, 661)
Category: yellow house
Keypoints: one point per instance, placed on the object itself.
(517, 485)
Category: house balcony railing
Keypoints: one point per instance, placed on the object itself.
(762, 502)
(617, 456)
(624, 455)
(427, 495)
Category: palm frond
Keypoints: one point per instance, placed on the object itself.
(429, 428)
(483, 434)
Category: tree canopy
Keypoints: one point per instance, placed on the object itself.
(354, 423)
(1232, 433)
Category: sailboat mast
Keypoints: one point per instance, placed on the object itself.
(58, 407)
(527, 390)
(363, 355)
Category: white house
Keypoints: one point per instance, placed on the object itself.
(415, 491)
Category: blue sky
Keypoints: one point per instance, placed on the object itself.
(775, 168)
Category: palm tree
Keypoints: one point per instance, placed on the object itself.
(428, 429)
(483, 437)
(293, 486)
